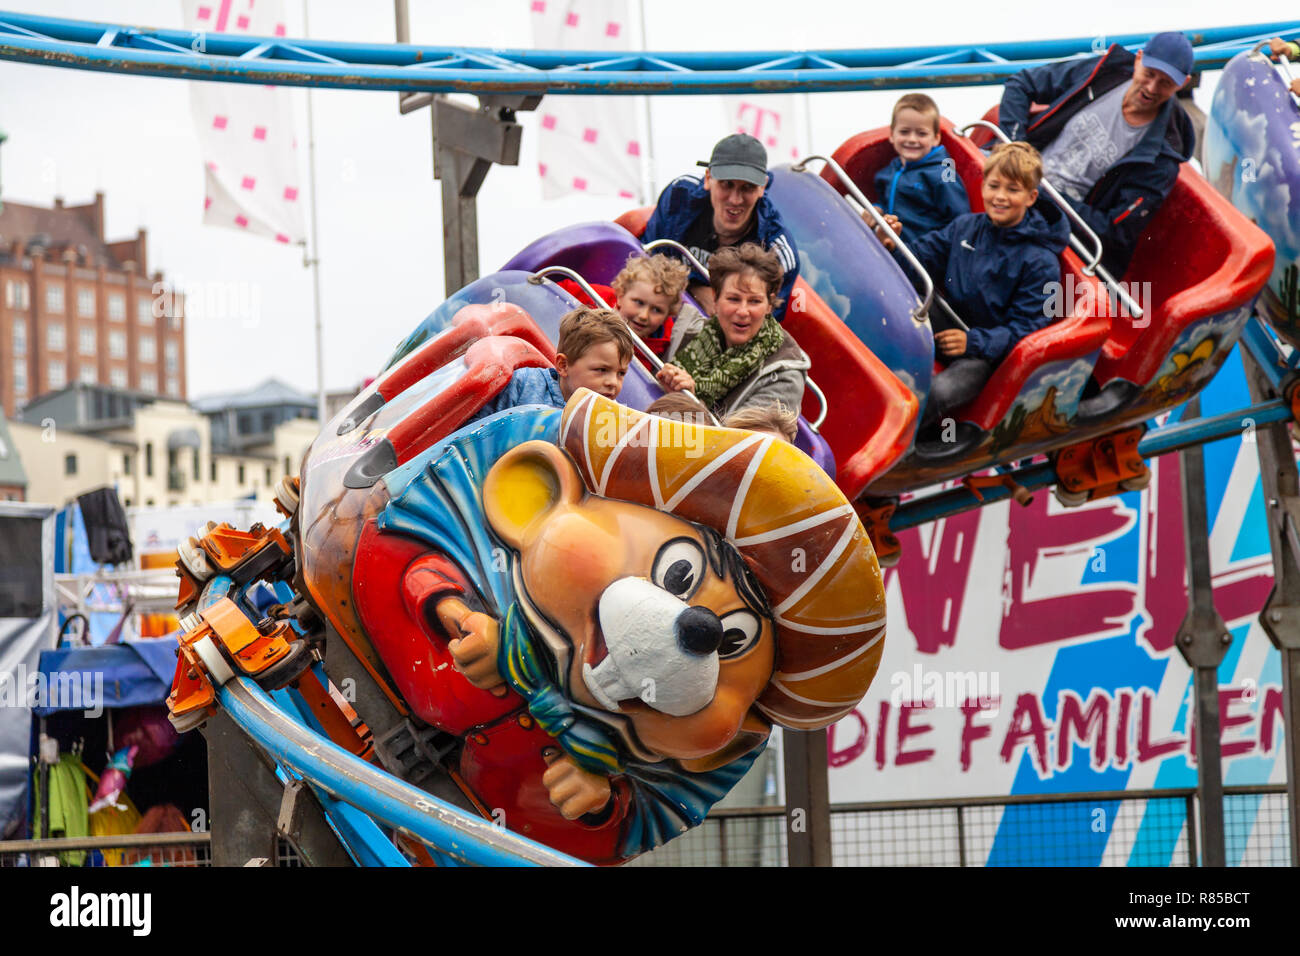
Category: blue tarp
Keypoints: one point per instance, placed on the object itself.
(134, 672)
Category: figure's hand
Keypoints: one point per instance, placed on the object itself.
(475, 650)
(885, 238)
(573, 791)
(951, 342)
(675, 379)
(703, 294)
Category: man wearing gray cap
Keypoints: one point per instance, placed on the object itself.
(1112, 137)
(727, 209)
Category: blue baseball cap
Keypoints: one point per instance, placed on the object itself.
(1171, 54)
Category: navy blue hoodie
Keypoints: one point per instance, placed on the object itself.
(685, 200)
(997, 279)
(920, 194)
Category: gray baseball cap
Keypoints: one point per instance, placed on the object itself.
(738, 156)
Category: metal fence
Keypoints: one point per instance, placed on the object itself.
(1121, 828)
(153, 849)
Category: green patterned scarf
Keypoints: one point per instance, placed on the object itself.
(718, 369)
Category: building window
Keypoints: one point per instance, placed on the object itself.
(148, 460)
(55, 337)
(20, 377)
(69, 465)
(268, 421)
(87, 375)
(198, 474)
(149, 382)
(54, 298)
(241, 473)
(212, 471)
(127, 462)
(57, 372)
(86, 340)
(268, 476)
(20, 336)
(16, 294)
(117, 307)
(147, 349)
(86, 303)
(117, 378)
(287, 466)
(117, 344)
(144, 311)
(173, 387)
(171, 355)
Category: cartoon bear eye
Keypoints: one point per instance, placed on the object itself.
(679, 567)
(740, 630)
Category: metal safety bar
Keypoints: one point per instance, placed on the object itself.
(919, 315)
(699, 266)
(642, 349)
(1091, 265)
(1284, 63)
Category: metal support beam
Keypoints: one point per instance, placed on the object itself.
(466, 142)
(1203, 640)
(1280, 617)
(807, 798)
(248, 803)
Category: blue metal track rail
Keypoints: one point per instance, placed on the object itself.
(220, 57)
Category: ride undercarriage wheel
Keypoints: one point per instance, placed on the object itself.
(284, 672)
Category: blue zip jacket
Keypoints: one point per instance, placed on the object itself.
(1120, 205)
(685, 199)
(919, 194)
(997, 279)
(527, 386)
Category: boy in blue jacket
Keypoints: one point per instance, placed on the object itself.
(920, 186)
(997, 270)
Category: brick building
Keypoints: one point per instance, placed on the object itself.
(79, 309)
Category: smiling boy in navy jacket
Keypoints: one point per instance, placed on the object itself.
(997, 269)
(919, 187)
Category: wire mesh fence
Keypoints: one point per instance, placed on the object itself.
(1121, 828)
(167, 850)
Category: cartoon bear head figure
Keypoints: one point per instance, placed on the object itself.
(692, 584)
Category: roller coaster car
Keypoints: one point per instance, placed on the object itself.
(871, 414)
(1203, 265)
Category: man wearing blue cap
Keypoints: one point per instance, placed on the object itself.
(1112, 137)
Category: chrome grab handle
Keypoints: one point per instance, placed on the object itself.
(921, 314)
(700, 267)
(1091, 265)
(642, 349)
(821, 398)
(1284, 63)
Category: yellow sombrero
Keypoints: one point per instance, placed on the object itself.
(795, 529)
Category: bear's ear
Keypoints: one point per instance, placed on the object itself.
(525, 484)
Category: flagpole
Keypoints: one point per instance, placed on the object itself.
(648, 173)
(314, 259)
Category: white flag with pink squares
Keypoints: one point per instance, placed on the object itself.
(587, 144)
(773, 120)
(247, 137)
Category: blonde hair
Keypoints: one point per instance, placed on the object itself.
(769, 418)
(666, 275)
(915, 101)
(1017, 161)
(585, 328)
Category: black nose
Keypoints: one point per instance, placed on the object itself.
(698, 631)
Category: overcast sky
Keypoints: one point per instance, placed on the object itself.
(72, 132)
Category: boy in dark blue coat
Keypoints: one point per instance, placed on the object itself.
(997, 270)
(920, 186)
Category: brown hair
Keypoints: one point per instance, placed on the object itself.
(915, 101)
(750, 257)
(666, 275)
(1017, 161)
(682, 408)
(770, 418)
(585, 328)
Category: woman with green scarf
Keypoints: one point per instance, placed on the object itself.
(741, 357)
